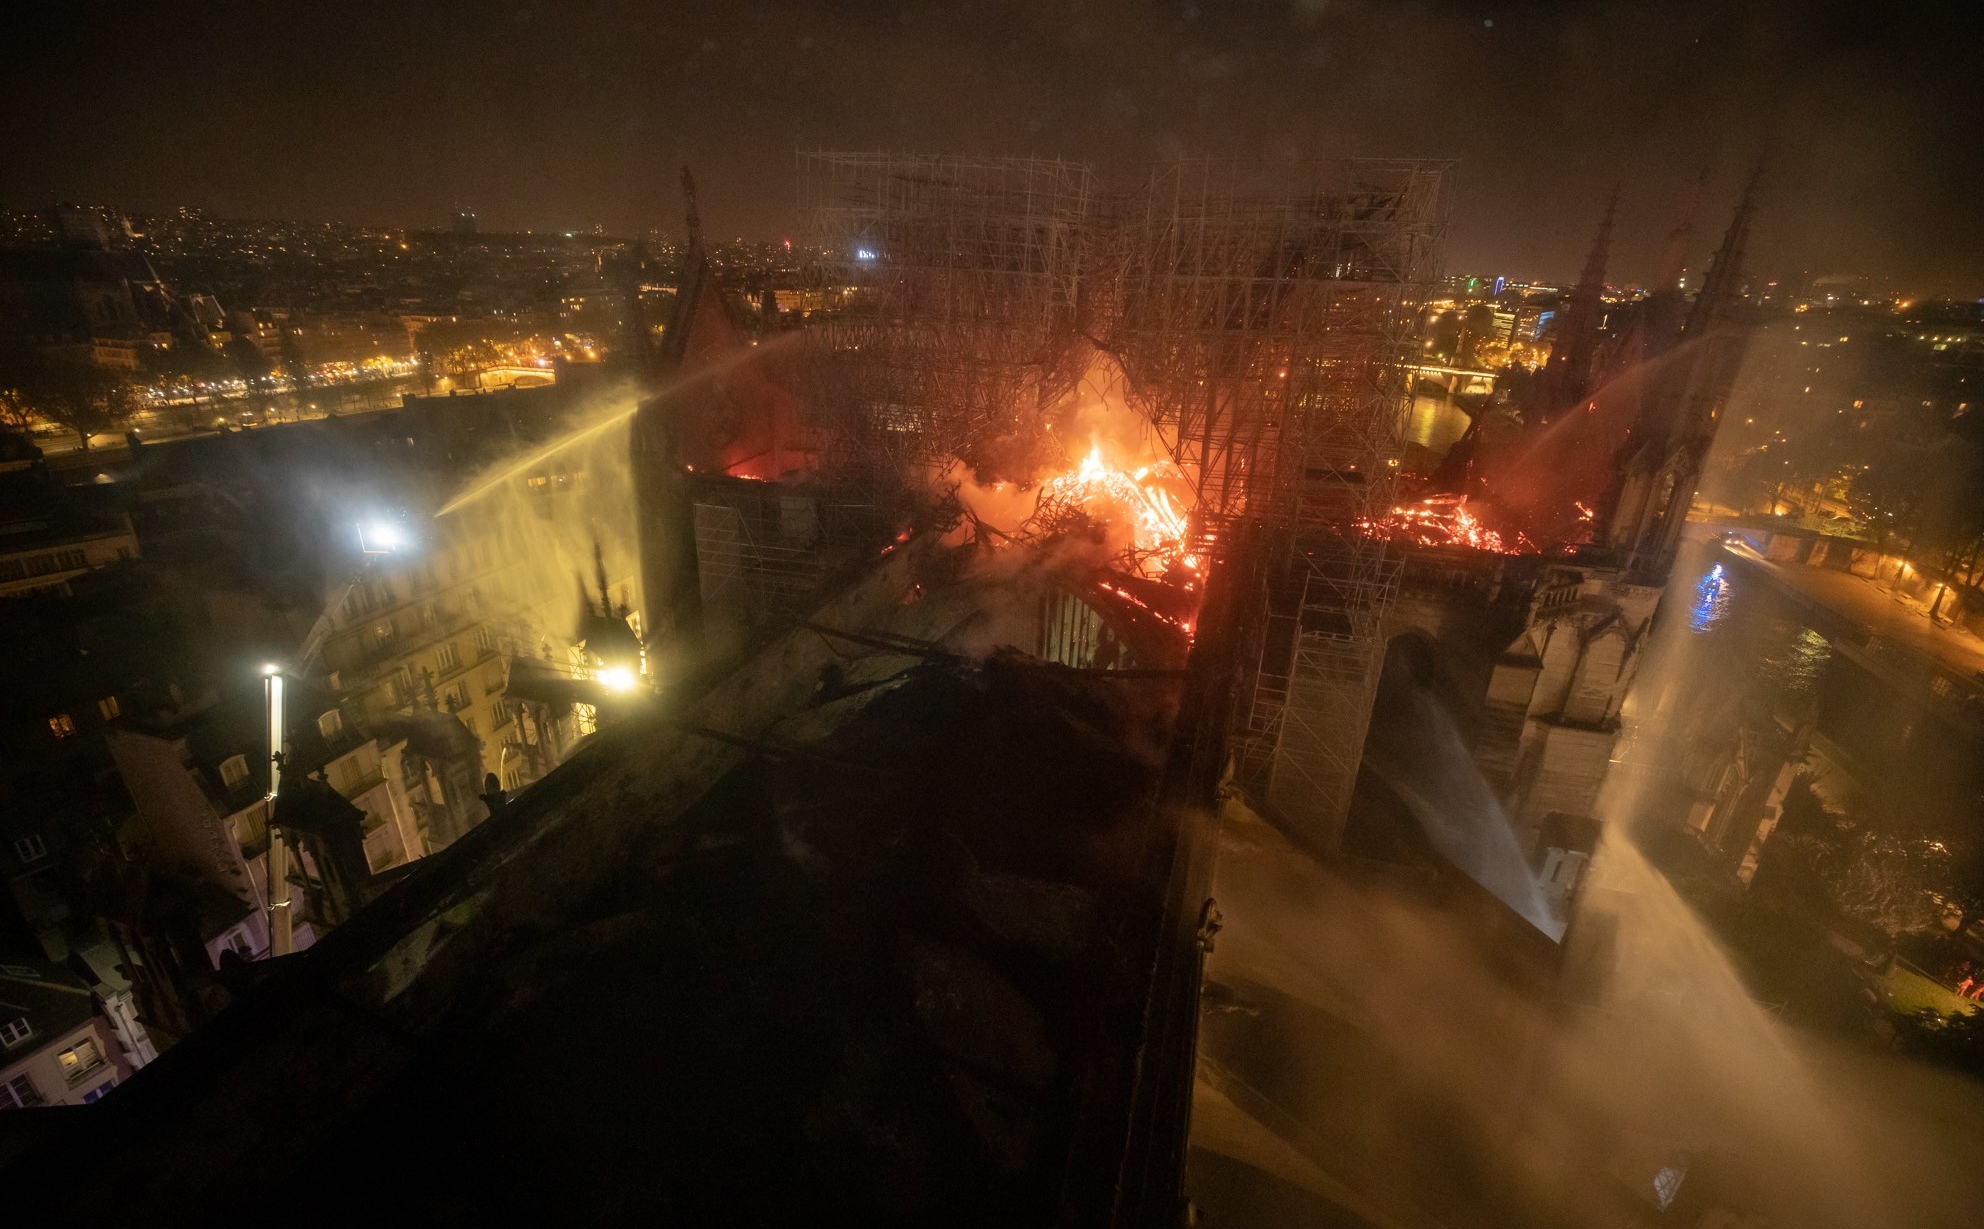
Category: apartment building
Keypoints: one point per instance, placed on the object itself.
(55, 1046)
(436, 629)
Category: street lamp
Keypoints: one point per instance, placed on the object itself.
(281, 924)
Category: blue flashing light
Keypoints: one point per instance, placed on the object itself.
(1711, 599)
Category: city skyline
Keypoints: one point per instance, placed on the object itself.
(556, 121)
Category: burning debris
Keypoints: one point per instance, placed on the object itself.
(1096, 471)
(1444, 520)
(1141, 502)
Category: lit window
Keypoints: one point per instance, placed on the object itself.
(62, 725)
(31, 848)
(234, 770)
(109, 707)
(330, 725)
(15, 1031)
(80, 1059)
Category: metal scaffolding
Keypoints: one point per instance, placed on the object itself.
(1266, 314)
(951, 288)
(1262, 316)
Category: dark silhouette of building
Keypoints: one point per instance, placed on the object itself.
(1660, 462)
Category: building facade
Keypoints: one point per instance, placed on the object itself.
(418, 654)
(55, 1047)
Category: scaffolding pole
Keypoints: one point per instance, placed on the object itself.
(1266, 317)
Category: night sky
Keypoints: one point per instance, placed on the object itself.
(566, 115)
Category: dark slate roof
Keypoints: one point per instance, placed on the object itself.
(52, 999)
(36, 512)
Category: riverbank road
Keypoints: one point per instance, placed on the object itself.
(1877, 609)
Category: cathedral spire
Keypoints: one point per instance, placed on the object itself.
(1601, 246)
(1568, 376)
(1725, 273)
(1665, 451)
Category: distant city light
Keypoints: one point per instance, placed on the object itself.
(617, 679)
(863, 254)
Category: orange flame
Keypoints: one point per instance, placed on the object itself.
(1443, 520)
(1137, 499)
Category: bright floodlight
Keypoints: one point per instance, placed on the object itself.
(617, 679)
(271, 668)
(380, 537)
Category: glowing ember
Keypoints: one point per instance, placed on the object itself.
(1097, 493)
(1443, 520)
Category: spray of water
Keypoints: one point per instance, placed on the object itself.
(532, 526)
(555, 514)
(1457, 810)
(537, 458)
(1664, 1022)
(1373, 1036)
(509, 471)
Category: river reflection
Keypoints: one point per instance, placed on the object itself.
(1434, 423)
